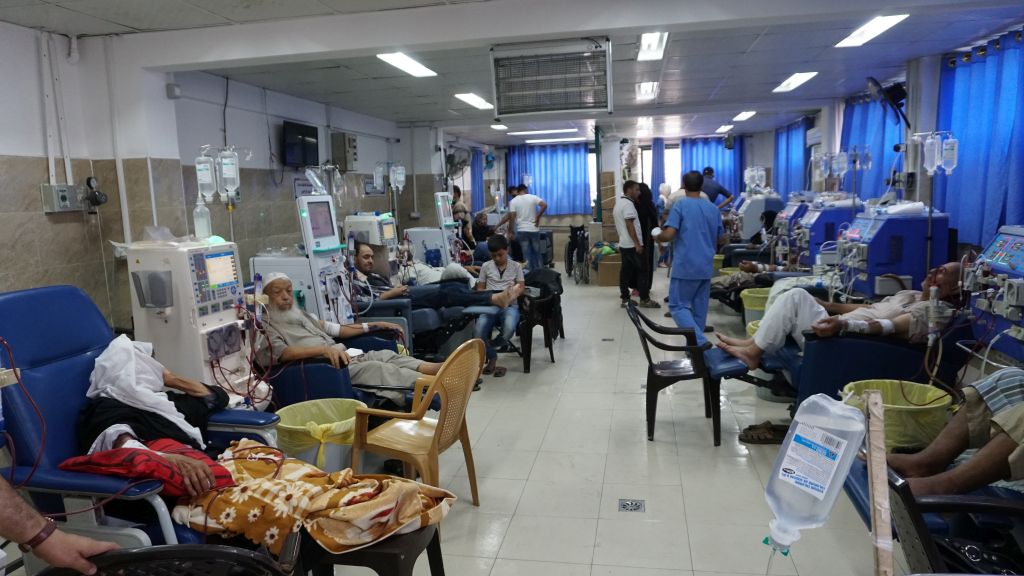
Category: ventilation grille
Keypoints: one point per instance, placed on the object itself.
(565, 77)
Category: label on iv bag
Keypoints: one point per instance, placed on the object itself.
(229, 169)
(811, 460)
(204, 174)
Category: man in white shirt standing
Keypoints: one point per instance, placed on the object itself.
(524, 215)
(631, 245)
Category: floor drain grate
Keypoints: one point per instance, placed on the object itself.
(629, 505)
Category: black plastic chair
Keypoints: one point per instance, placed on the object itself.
(928, 553)
(664, 373)
(393, 556)
(180, 560)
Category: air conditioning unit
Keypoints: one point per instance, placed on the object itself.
(813, 137)
(543, 77)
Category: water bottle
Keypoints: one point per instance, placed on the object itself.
(201, 217)
(811, 467)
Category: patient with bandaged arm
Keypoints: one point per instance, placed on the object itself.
(903, 315)
(990, 420)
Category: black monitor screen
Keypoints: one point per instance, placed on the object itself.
(301, 145)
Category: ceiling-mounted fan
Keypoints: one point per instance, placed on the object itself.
(891, 96)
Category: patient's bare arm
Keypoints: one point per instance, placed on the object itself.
(190, 387)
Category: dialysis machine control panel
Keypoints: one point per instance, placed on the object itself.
(215, 281)
(996, 284)
(820, 225)
(876, 248)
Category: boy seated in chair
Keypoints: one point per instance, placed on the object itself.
(499, 274)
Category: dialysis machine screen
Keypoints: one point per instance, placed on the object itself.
(220, 270)
(388, 231)
(320, 220)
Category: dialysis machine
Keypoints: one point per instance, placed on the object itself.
(321, 277)
(376, 229)
(751, 210)
(185, 304)
(819, 225)
(892, 244)
(437, 246)
(996, 283)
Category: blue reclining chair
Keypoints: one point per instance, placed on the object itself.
(55, 334)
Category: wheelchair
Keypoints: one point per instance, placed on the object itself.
(577, 259)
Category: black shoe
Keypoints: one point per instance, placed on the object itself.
(476, 385)
(709, 329)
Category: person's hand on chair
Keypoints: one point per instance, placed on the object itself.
(198, 476)
(828, 327)
(338, 358)
(64, 550)
(388, 326)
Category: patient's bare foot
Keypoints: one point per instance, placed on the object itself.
(930, 485)
(911, 465)
(750, 355)
(506, 297)
(733, 341)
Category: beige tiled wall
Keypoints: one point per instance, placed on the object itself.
(47, 249)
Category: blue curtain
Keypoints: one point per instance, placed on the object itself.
(476, 182)
(698, 153)
(981, 102)
(791, 158)
(560, 177)
(873, 126)
(657, 164)
(516, 164)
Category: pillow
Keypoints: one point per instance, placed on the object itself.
(141, 464)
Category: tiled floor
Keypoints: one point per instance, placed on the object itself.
(557, 448)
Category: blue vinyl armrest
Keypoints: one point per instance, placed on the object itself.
(371, 342)
(59, 481)
(394, 307)
(780, 275)
(243, 419)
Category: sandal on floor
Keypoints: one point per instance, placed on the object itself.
(476, 385)
(487, 370)
(766, 425)
(762, 436)
(500, 371)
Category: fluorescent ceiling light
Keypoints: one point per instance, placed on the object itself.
(645, 121)
(646, 90)
(652, 46)
(551, 140)
(642, 133)
(499, 127)
(539, 132)
(406, 64)
(723, 128)
(475, 101)
(794, 81)
(865, 33)
(744, 116)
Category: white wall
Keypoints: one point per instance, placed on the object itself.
(759, 149)
(255, 123)
(22, 122)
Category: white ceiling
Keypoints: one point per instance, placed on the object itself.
(98, 17)
(709, 73)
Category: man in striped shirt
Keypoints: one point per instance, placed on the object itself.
(991, 420)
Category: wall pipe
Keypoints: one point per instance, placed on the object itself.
(122, 192)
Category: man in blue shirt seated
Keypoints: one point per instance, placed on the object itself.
(695, 227)
(717, 193)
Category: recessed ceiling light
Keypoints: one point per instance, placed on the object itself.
(539, 132)
(645, 121)
(744, 116)
(552, 140)
(475, 101)
(794, 81)
(499, 127)
(406, 64)
(723, 128)
(652, 46)
(865, 33)
(646, 90)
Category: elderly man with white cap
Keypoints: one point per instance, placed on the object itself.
(293, 335)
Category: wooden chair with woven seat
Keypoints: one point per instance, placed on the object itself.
(417, 440)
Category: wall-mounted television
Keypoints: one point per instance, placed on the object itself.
(300, 145)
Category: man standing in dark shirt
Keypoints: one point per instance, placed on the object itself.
(717, 193)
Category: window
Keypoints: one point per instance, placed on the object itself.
(592, 168)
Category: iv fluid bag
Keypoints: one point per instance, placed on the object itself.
(228, 172)
(811, 466)
(950, 153)
(201, 217)
(930, 153)
(205, 173)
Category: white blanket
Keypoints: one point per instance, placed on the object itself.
(127, 372)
